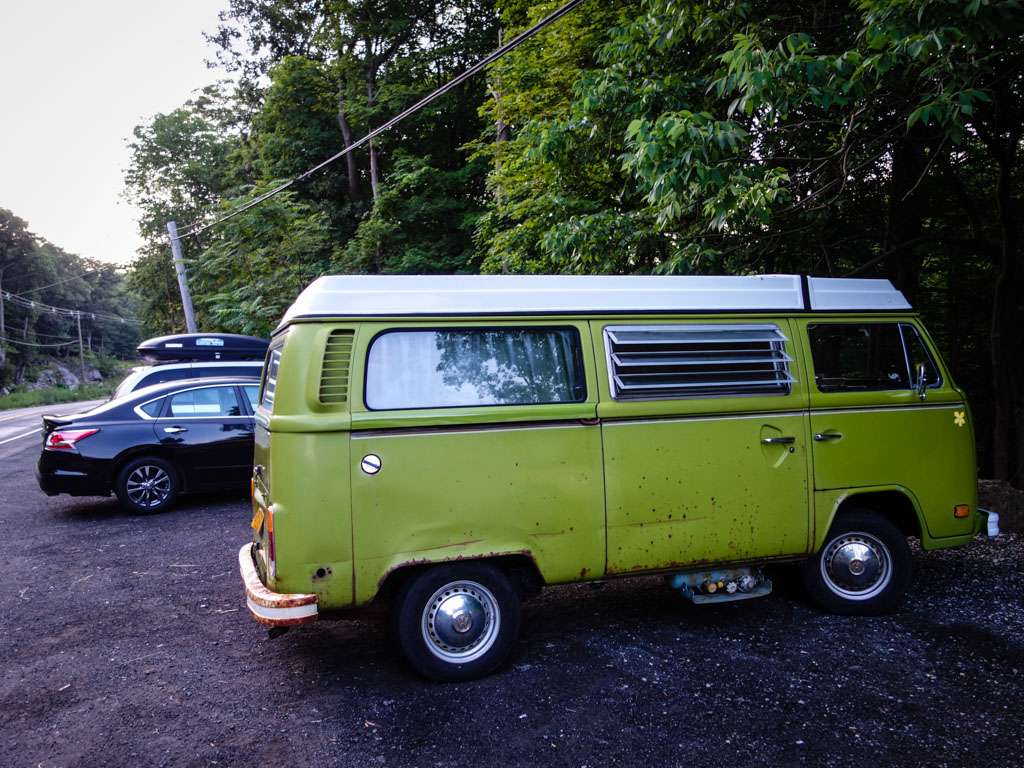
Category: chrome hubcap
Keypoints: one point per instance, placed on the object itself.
(148, 486)
(461, 621)
(856, 565)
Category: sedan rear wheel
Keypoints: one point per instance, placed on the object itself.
(147, 485)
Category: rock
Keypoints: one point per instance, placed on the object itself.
(55, 375)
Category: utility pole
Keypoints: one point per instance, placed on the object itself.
(81, 348)
(3, 327)
(179, 269)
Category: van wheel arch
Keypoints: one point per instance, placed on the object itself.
(896, 506)
(521, 569)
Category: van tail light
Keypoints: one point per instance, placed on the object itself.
(271, 546)
(67, 439)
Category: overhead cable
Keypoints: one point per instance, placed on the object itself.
(515, 42)
(25, 303)
(31, 344)
(62, 280)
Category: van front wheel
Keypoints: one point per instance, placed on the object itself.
(864, 567)
(457, 622)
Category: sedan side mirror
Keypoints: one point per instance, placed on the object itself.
(921, 381)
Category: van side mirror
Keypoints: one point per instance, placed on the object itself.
(921, 381)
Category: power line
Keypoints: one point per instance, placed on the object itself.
(21, 301)
(64, 280)
(515, 42)
(31, 344)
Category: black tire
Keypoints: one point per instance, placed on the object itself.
(477, 602)
(841, 577)
(158, 497)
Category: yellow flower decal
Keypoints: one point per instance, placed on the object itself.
(959, 418)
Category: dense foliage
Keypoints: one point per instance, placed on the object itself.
(39, 273)
(870, 138)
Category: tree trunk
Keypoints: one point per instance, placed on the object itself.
(1006, 332)
(346, 135)
(908, 201)
(371, 101)
(502, 133)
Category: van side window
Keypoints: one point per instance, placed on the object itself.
(677, 361)
(917, 353)
(270, 379)
(861, 357)
(447, 368)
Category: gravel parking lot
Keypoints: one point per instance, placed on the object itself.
(125, 642)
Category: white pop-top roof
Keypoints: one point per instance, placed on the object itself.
(440, 295)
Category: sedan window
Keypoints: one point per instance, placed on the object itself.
(209, 402)
(253, 393)
(152, 408)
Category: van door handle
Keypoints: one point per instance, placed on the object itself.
(175, 430)
(778, 440)
(822, 437)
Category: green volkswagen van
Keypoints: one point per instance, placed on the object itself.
(453, 444)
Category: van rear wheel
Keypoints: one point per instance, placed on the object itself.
(864, 567)
(457, 622)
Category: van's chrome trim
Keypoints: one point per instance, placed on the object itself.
(611, 421)
(626, 420)
(880, 408)
(441, 429)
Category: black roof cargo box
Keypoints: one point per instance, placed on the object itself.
(204, 347)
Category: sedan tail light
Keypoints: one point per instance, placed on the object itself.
(66, 439)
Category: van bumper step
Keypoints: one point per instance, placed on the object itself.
(273, 609)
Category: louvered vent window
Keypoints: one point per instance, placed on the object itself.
(648, 362)
(334, 374)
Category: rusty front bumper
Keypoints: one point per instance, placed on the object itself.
(271, 608)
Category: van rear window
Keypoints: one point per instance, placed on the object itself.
(447, 368)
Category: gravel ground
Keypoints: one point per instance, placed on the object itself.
(126, 642)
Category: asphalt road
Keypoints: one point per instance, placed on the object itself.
(125, 642)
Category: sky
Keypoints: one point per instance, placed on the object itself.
(75, 79)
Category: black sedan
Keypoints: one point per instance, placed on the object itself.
(154, 444)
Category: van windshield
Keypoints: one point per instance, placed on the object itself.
(473, 367)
